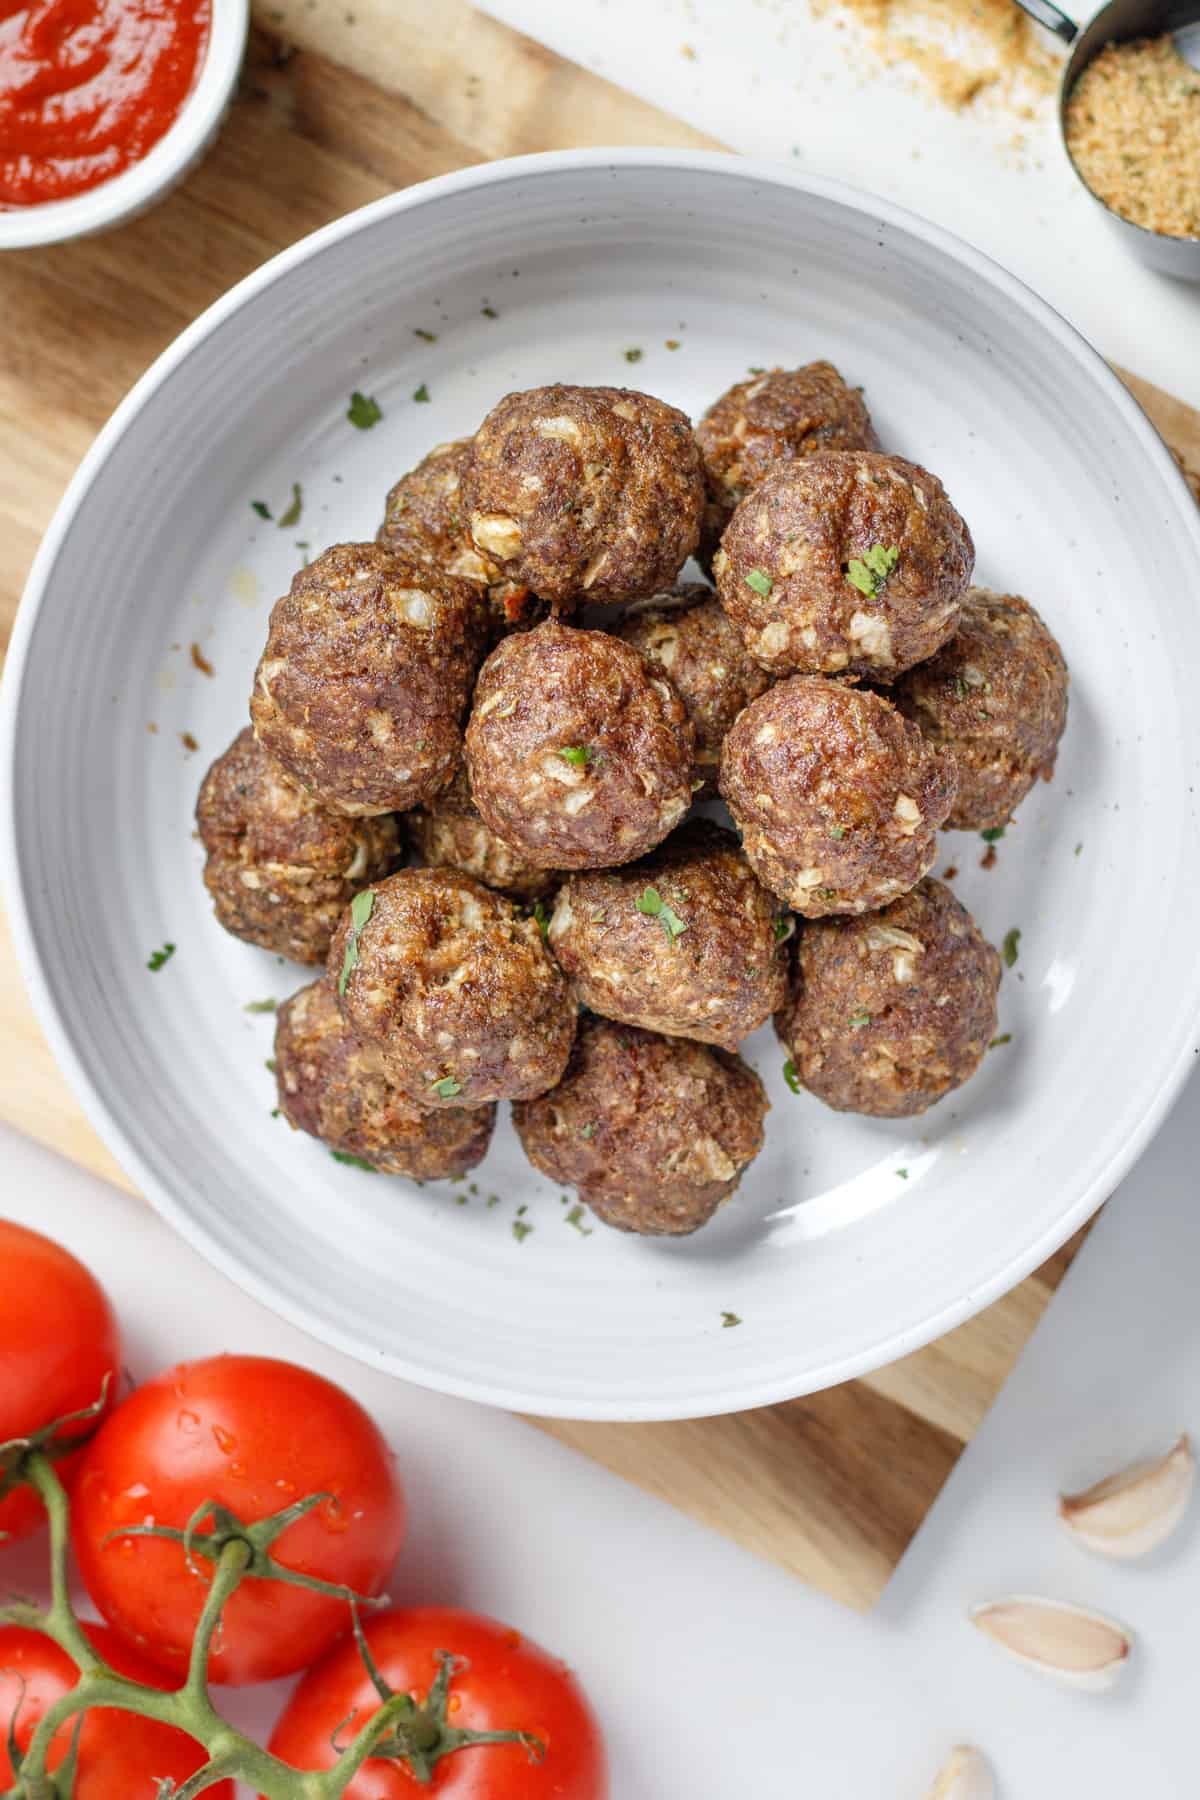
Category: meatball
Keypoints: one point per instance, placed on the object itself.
(454, 988)
(887, 1013)
(585, 492)
(424, 521)
(687, 942)
(449, 834)
(280, 866)
(776, 416)
(687, 636)
(996, 696)
(848, 562)
(837, 796)
(579, 755)
(367, 672)
(334, 1088)
(654, 1132)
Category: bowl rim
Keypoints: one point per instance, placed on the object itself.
(741, 1392)
(167, 161)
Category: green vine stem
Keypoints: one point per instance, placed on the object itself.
(400, 1730)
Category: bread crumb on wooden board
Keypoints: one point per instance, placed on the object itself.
(960, 50)
(1133, 130)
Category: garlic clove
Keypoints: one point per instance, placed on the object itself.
(1081, 1649)
(1133, 1512)
(964, 1775)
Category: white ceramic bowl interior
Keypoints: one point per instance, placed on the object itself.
(850, 1241)
(175, 153)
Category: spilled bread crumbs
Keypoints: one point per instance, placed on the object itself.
(1133, 130)
(960, 50)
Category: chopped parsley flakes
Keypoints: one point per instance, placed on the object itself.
(261, 508)
(903, 1174)
(353, 1162)
(489, 312)
(159, 957)
(651, 902)
(578, 755)
(837, 832)
(1009, 947)
(364, 410)
(790, 1075)
(859, 1019)
(633, 355)
(360, 911)
(447, 1088)
(421, 394)
(588, 1131)
(729, 1319)
(1004, 1038)
(575, 1217)
(783, 927)
(521, 1230)
(295, 508)
(428, 337)
(760, 582)
(541, 918)
(993, 834)
(261, 1006)
(869, 573)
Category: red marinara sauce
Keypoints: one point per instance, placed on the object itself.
(88, 86)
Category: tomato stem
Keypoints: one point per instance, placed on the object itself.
(400, 1731)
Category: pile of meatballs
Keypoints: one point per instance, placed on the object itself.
(476, 780)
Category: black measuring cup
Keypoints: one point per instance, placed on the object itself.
(1119, 20)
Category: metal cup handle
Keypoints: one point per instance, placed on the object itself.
(1049, 15)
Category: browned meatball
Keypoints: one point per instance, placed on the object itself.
(838, 798)
(425, 522)
(450, 834)
(888, 1013)
(653, 1131)
(687, 636)
(367, 672)
(454, 989)
(334, 1088)
(579, 756)
(778, 415)
(585, 492)
(846, 563)
(281, 867)
(996, 696)
(687, 942)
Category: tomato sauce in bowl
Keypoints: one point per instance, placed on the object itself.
(87, 87)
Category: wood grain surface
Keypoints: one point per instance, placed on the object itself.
(335, 108)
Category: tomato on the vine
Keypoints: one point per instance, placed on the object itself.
(58, 1345)
(121, 1757)
(255, 1436)
(501, 1682)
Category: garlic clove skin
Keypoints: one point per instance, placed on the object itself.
(1131, 1513)
(964, 1775)
(1078, 1648)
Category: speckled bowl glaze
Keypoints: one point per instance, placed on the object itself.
(850, 1242)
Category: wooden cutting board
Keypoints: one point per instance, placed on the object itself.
(341, 103)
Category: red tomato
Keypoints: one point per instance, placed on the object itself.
(121, 1757)
(508, 1684)
(256, 1436)
(58, 1340)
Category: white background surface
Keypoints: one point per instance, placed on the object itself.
(717, 1675)
(770, 79)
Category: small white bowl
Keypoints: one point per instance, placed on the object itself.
(174, 155)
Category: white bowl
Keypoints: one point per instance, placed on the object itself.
(175, 154)
(833, 1260)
